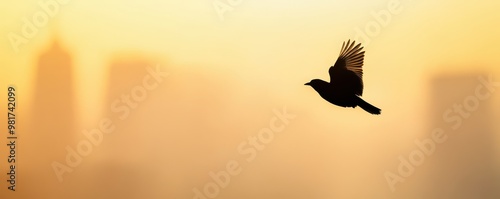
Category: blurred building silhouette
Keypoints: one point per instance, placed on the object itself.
(52, 120)
(54, 103)
(113, 170)
(125, 73)
(464, 165)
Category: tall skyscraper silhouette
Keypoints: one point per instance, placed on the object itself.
(51, 126)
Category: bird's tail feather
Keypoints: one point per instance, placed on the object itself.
(368, 107)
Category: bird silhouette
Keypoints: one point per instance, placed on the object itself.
(346, 80)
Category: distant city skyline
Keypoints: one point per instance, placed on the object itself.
(232, 65)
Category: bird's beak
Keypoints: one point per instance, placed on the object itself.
(308, 84)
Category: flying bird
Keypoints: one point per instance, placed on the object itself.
(346, 80)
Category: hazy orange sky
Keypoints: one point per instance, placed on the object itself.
(268, 50)
(281, 43)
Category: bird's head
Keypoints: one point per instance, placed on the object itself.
(315, 82)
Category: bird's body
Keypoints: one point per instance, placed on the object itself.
(346, 84)
(335, 94)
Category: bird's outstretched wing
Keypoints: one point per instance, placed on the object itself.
(347, 73)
